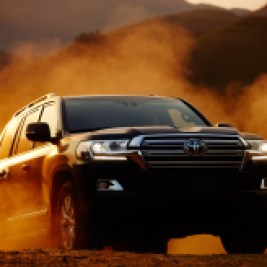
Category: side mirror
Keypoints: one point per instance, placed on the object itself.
(223, 124)
(38, 132)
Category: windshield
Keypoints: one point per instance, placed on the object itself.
(91, 113)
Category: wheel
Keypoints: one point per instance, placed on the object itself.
(72, 228)
(143, 245)
(67, 218)
(152, 245)
(243, 242)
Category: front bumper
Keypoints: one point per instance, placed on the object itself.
(171, 214)
(256, 163)
(167, 202)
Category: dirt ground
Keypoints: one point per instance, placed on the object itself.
(119, 259)
(192, 251)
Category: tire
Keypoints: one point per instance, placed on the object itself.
(243, 242)
(72, 227)
(143, 245)
(153, 245)
(66, 218)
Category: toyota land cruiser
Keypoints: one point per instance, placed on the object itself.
(132, 171)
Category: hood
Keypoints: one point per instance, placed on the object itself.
(130, 132)
(250, 136)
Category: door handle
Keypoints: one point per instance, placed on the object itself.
(3, 174)
(25, 167)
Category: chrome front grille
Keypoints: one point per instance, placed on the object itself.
(226, 152)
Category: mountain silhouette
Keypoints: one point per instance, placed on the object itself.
(235, 54)
(62, 20)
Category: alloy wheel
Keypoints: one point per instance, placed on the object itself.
(68, 223)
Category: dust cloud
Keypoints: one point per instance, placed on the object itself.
(250, 110)
(150, 59)
(196, 244)
(144, 60)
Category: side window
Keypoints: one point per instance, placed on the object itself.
(49, 115)
(23, 143)
(8, 137)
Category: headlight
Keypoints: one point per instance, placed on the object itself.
(109, 146)
(263, 146)
(260, 145)
(102, 148)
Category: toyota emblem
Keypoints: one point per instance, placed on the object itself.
(195, 147)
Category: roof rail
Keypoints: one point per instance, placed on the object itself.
(40, 99)
(36, 101)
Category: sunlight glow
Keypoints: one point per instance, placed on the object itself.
(252, 5)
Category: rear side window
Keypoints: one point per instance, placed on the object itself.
(8, 137)
(23, 143)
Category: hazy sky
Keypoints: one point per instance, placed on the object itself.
(61, 20)
(249, 4)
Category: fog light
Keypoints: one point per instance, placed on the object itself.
(264, 183)
(108, 185)
(102, 185)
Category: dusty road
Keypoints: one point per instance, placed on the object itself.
(119, 259)
(192, 251)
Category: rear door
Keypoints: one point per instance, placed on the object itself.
(29, 160)
(24, 207)
(8, 196)
(24, 168)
